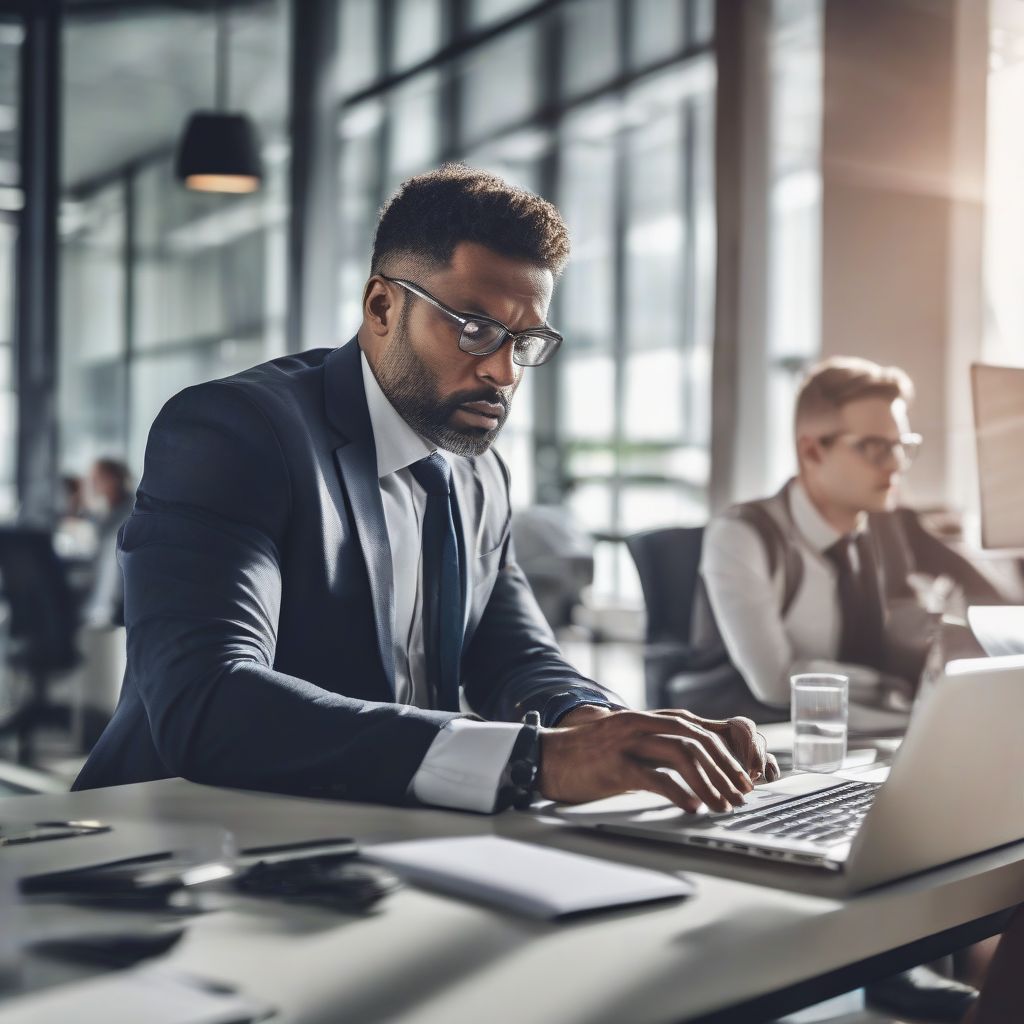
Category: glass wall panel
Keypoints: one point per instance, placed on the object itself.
(794, 219)
(655, 323)
(92, 329)
(11, 201)
(414, 127)
(358, 44)
(486, 12)
(515, 157)
(668, 360)
(500, 83)
(700, 342)
(701, 15)
(586, 295)
(515, 443)
(417, 31)
(8, 268)
(11, 38)
(591, 504)
(591, 44)
(360, 194)
(198, 261)
(658, 30)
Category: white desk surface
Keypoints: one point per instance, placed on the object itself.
(426, 958)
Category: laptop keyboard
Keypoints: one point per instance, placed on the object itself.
(830, 817)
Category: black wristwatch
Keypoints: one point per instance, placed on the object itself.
(519, 779)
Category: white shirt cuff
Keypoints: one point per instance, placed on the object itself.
(463, 766)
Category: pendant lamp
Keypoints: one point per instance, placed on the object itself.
(219, 151)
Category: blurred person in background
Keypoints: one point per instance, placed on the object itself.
(825, 575)
(111, 500)
(73, 496)
(75, 533)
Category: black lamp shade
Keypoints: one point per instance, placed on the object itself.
(219, 153)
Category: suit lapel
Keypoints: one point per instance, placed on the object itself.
(356, 458)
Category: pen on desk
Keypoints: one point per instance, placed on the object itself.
(45, 831)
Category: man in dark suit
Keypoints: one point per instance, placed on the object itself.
(318, 572)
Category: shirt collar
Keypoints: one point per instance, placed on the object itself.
(397, 444)
(815, 528)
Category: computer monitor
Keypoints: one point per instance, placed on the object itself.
(999, 431)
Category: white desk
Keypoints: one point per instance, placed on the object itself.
(425, 958)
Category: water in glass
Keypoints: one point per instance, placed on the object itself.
(819, 722)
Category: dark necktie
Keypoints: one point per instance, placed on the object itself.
(860, 605)
(442, 588)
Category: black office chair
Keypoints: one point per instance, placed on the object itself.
(43, 622)
(685, 663)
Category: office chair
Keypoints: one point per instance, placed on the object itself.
(685, 665)
(43, 620)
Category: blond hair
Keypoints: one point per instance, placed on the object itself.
(843, 379)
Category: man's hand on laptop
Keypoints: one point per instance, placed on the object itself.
(742, 737)
(596, 753)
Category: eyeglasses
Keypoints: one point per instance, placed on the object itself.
(483, 335)
(878, 450)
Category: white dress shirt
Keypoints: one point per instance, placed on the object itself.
(463, 766)
(765, 646)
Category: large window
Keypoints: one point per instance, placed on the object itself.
(606, 108)
(162, 288)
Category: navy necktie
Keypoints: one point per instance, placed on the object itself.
(442, 587)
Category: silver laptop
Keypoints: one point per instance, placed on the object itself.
(939, 802)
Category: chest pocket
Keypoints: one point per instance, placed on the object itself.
(486, 566)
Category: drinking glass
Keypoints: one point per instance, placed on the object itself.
(820, 704)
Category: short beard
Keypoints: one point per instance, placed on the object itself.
(411, 387)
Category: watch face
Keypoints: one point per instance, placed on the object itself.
(523, 773)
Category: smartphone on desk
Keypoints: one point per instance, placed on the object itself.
(326, 872)
(137, 881)
(147, 882)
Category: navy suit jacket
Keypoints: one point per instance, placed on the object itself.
(259, 601)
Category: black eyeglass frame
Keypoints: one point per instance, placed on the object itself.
(463, 319)
(909, 445)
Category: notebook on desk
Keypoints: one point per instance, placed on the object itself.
(935, 806)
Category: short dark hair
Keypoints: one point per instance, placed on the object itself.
(432, 213)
